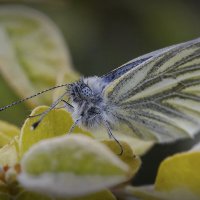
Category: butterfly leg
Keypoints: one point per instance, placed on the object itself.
(112, 136)
(35, 125)
(74, 125)
(67, 105)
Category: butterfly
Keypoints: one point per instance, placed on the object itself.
(153, 97)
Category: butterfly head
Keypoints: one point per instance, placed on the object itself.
(86, 100)
(80, 91)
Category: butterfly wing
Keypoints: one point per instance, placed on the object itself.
(159, 97)
(116, 73)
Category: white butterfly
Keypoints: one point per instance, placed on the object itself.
(156, 96)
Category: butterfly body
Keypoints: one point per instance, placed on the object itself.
(87, 101)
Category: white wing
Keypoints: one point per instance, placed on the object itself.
(158, 95)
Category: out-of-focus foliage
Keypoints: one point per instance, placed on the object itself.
(80, 160)
(66, 166)
(57, 123)
(69, 166)
(140, 147)
(105, 195)
(9, 153)
(128, 156)
(21, 31)
(9, 135)
(33, 54)
(177, 178)
(183, 169)
(105, 34)
(7, 132)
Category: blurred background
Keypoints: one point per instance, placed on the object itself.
(102, 35)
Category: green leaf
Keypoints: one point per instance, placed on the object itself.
(26, 195)
(5, 196)
(16, 114)
(56, 123)
(7, 132)
(9, 154)
(102, 195)
(142, 193)
(128, 156)
(177, 178)
(33, 52)
(139, 147)
(149, 193)
(184, 168)
(9, 151)
(70, 166)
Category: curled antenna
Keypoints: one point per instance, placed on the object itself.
(30, 97)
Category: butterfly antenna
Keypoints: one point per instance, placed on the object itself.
(35, 125)
(30, 97)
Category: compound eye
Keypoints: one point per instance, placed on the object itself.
(86, 91)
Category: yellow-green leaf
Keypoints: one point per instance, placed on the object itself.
(9, 154)
(102, 195)
(180, 171)
(139, 147)
(5, 196)
(70, 166)
(177, 178)
(56, 123)
(33, 53)
(7, 132)
(26, 195)
(127, 156)
(148, 193)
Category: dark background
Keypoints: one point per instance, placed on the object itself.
(101, 35)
